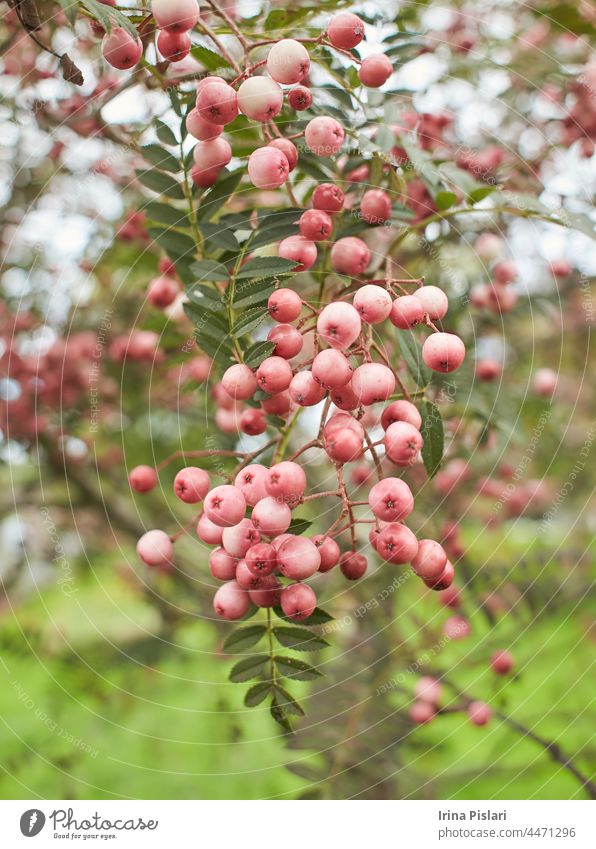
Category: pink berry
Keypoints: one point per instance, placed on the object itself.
(430, 560)
(479, 713)
(288, 61)
(268, 593)
(401, 411)
(403, 443)
(239, 382)
(162, 292)
(261, 559)
(502, 662)
(284, 305)
(315, 224)
(375, 206)
(375, 70)
(545, 382)
(350, 255)
(191, 485)
(173, 46)
(429, 690)
(391, 500)
(487, 370)
(274, 375)
(288, 341)
(231, 601)
(142, 479)
(324, 136)
(443, 352)
(300, 98)
(212, 154)
(505, 272)
(298, 601)
(373, 382)
(298, 558)
(246, 578)
(222, 565)
(450, 597)
(155, 549)
(225, 506)
(353, 565)
(329, 551)
(277, 405)
(251, 482)
(260, 98)
(340, 421)
(209, 532)
(328, 197)
(445, 579)
(373, 303)
(121, 50)
(288, 149)
(176, 15)
(343, 445)
(331, 369)
(271, 517)
(300, 250)
(457, 628)
(217, 103)
(253, 422)
(397, 544)
(239, 538)
(422, 712)
(286, 481)
(406, 312)
(339, 324)
(268, 168)
(204, 177)
(434, 301)
(201, 129)
(345, 398)
(305, 391)
(345, 30)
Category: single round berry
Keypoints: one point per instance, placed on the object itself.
(373, 303)
(397, 544)
(502, 662)
(324, 136)
(284, 305)
(406, 312)
(300, 250)
(298, 601)
(304, 390)
(246, 578)
(329, 551)
(191, 484)
(345, 398)
(173, 46)
(343, 445)
(545, 382)
(231, 601)
(487, 370)
(239, 382)
(443, 352)
(209, 532)
(375, 70)
(239, 538)
(428, 689)
(212, 154)
(479, 713)
(298, 558)
(391, 500)
(430, 560)
(155, 549)
(175, 15)
(260, 98)
(251, 483)
(271, 517)
(288, 341)
(121, 50)
(222, 565)
(445, 579)
(331, 369)
(286, 481)
(225, 506)
(268, 168)
(403, 443)
(345, 30)
(201, 129)
(350, 255)
(162, 292)
(142, 479)
(268, 593)
(339, 324)
(401, 411)
(253, 422)
(353, 565)
(315, 224)
(288, 61)
(422, 712)
(261, 559)
(274, 375)
(288, 149)
(434, 301)
(328, 197)
(373, 382)
(300, 98)
(217, 102)
(375, 206)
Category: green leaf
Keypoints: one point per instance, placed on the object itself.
(205, 319)
(434, 437)
(209, 58)
(108, 16)
(287, 701)
(248, 667)
(319, 617)
(299, 639)
(258, 352)
(279, 715)
(165, 134)
(480, 193)
(161, 158)
(257, 694)
(250, 294)
(299, 670)
(412, 354)
(174, 243)
(219, 237)
(209, 269)
(298, 526)
(264, 267)
(244, 638)
(422, 161)
(161, 183)
(218, 195)
(163, 213)
(445, 200)
(250, 320)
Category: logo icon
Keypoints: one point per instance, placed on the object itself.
(32, 822)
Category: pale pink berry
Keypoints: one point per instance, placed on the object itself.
(176, 15)
(286, 481)
(191, 484)
(329, 551)
(545, 382)
(487, 370)
(274, 375)
(428, 689)
(271, 517)
(142, 479)
(373, 303)
(406, 312)
(217, 102)
(300, 98)
(231, 601)
(443, 352)
(173, 46)
(375, 70)
(222, 565)
(298, 558)
(331, 369)
(353, 565)
(268, 168)
(339, 421)
(401, 411)
(251, 482)
(201, 129)
(288, 61)
(372, 382)
(288, 341)
(204, 177)
(502, 662)
(277, 405)
(505, 272)
(343, 445)
(162, 292)
(120, 49)
(457, 628)
(315, 224)
(328, 197)
(305, 391)
(345, 398)
(228, 421)
(324, 136)
(488, 246)
(397, 544)
(268, 593)
(155, 549)
(279, 540)
(445, 579)
(298, 601)
(225, 506)
(260, 98)
(479, 713)
(253, 422)
(375, 206)
(245, 578)
(350, 255)
(391, 500)
(212, 154)
(239, 382)
(300, 250)
(345, 30)
(261, 559)
(433, 300)
(422, 712)
(403, 443)
(284, 305)
(209, 532)
(239, 538)
(339, 324)
(430, 560)
(288, 149)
